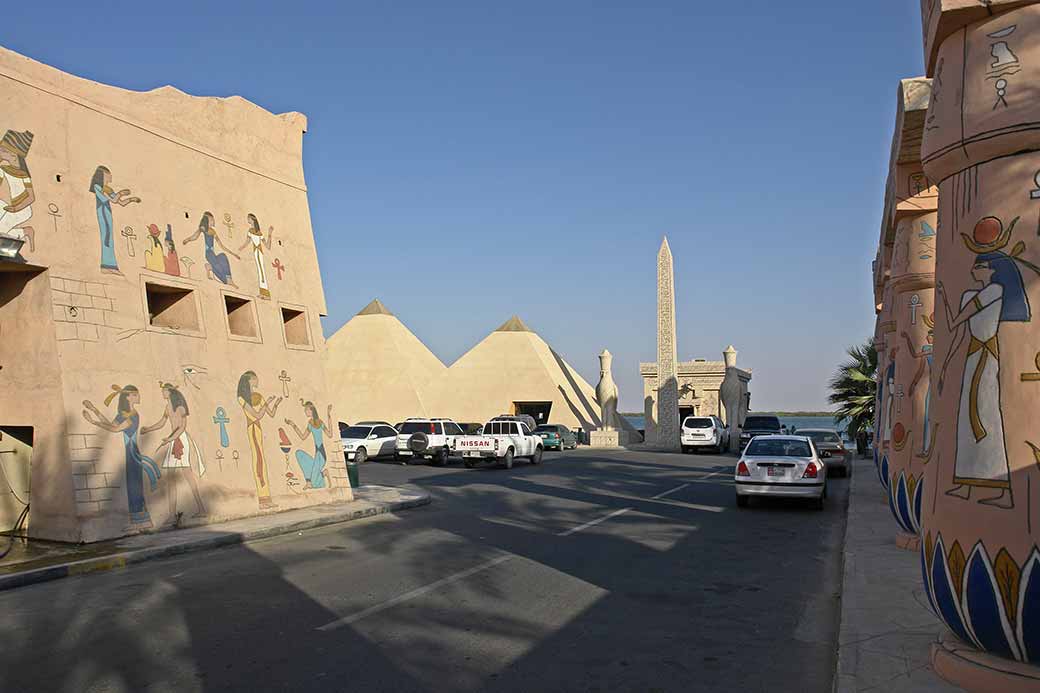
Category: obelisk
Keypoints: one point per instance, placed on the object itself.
(667, 359)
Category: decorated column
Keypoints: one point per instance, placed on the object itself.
(911, 201)
(980, 519)
(884, 342)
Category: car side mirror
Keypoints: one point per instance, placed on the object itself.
(825, 453)
(373, 436)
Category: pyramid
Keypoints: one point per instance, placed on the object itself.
(513, 364)
(377, 370)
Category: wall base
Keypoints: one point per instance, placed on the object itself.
(973, 670)
(909, 542)
(612, 439)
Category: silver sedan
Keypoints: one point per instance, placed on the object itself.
(782, 466)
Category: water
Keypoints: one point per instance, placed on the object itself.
(799, 422)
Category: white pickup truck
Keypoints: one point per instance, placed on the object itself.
(503, 439)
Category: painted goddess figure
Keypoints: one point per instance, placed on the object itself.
(181, 457)
(255, 407)
(127, 421)
(313, 466)
(105, 195)
(256, 238)
(217, 264)
(981, 458)
(17, 209)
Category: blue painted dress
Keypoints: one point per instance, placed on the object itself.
(312, 466)
(218, 262)
(104, 198)
(137, 465)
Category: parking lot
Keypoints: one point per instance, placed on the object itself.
(596, 570)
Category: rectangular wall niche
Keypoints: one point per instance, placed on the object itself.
(241, 317)
(172, 307)
(295, 324)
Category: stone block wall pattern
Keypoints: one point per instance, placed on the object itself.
(148, 217)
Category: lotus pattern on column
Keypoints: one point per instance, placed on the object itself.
(993, 605)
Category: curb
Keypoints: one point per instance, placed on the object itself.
(122, 560)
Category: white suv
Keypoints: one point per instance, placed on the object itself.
(429, 439)
(704, 432)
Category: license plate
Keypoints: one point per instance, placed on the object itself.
(473, 453)
(774, 471)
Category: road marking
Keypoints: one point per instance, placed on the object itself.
(418, 592)
(592, 523)
(670, 492)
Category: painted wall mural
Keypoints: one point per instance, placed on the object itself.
(161, 255)
(255, 408)
(217, 264)
(16, 188)
(312, 466)
(256, 238)
(182, 458)
(998, 296)
(105, 195)
(127, 421)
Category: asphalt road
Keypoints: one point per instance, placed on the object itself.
(593, 572)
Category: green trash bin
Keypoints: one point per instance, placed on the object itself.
(352, 474)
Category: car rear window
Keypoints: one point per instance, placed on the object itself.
(697, 422)
(821, 436)
(546, 429)
(419, 427)
(778, 448)
(355, 432)
(762, 423)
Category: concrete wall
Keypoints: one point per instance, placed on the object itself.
(93, 328)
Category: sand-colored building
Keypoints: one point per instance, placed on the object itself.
(514, 371)
(160, 322)
(700, 382)
(378, 370)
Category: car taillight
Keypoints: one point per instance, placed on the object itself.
(496, 444)
(811, 471)
(742, 469)
(432, 428)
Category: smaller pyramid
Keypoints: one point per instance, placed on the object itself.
(377, 369)
(513, 324)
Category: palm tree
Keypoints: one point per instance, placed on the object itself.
(854, 388)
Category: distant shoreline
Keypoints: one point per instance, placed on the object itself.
(828, 414)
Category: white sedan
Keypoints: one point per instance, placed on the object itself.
(366, 441)
(777, 465)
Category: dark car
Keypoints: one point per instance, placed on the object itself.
(758, 425)
(828, 444)
(471, 429)
(556, 436)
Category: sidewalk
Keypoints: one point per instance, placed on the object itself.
(887, 628)
(35, 561)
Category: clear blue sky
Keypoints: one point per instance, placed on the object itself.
(560, 140)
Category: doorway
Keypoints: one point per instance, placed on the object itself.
(16, 446)
(686, 411)
(537, 410)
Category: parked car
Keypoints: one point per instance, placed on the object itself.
(704, 432)
(775, 465)
(503, 439)
(758, 425)
(830, 447)
(368, 440)
(556, 436)
(428, 439)
(471, 429)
